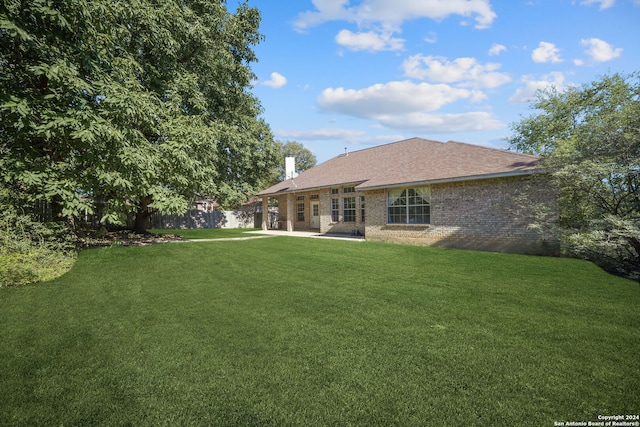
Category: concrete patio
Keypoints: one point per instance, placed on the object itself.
(310, 234)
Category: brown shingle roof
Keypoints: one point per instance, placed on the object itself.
(409, 162)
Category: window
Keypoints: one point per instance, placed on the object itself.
(349, 209)
(335, 210)
(299, 197)
(301, 212)
(409, 206)
(314, 197)
(349, 190)
(362, 208)
(334, 191)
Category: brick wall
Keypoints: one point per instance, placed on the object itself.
(484, 214)
(328, 225)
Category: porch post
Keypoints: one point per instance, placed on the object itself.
(289, 212)
(265, 212)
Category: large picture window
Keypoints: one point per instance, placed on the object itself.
(409, 206)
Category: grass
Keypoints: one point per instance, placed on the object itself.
(289, 331)
(206, 233)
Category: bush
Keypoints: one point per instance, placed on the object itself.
(612, 243)
(37, 265)
(32, 251)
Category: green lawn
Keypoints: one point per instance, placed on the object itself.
(301, 332)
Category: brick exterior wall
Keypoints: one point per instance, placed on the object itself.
(481, 214)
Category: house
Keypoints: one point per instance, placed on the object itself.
(447, 194)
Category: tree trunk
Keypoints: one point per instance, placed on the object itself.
(142, 215)
(56, 208)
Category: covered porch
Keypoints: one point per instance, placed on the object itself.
(299, 212)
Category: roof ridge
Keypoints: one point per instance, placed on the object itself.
(388, 144)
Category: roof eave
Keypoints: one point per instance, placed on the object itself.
(306, 189)
(454, 179)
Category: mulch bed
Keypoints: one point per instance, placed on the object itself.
(128, 238)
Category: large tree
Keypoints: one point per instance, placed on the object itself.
(590, 138)
(132, 105)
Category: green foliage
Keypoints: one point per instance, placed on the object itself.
(35, 264)
(31, 251)
(141, 104)
(610, 241)
(590, 137)
(305, 159)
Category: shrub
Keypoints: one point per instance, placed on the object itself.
(612, 243)
(30, 250)
(36, 265)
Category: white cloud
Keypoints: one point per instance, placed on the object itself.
(600, 50)
(443, 123)
(320, 134)
(392, 13)
(466, 71)
(395, 98)
(352, 137)
(277, 80)
(546, 52)
(528, 92)
(408, 106)
(604, 4)
(497, 49)
(327, 10)
(433, 37)
(370, 41)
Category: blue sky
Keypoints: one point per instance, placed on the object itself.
(336, 74)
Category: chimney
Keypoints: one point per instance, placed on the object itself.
(290, 168)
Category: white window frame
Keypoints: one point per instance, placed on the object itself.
(409, 206)
(349, 211)
(335, 209)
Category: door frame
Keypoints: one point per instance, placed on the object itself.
(314, 221)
